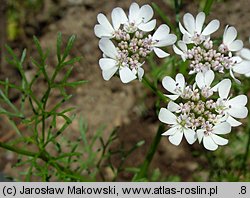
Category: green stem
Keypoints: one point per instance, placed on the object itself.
(45, 157)
(246, 155)
(208, 6)
(18, 150)
(150, 85)
(144, 168)
(164, 17)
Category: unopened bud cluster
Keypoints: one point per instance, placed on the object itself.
(204, 57)
(132, 47)
(196, 109)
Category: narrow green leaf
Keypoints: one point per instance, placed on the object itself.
(6, 87)
(38, 47)
(13, 124)
(83, 127)
(23, 56)
(8, 102)
(71, 61)
(66, 76)
(58, 46)
(73, 84)
(11, 52)
(69, 46)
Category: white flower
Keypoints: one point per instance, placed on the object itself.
(232, 108)
(182, 50)
(140, 18)
(104, 28)
(229, 42)
(210, 138)
(111, 62)
(193, 33)
(243, 67)
(162, 38)
(204, 81)
(175, 87)
(174, 107)
(178, 128)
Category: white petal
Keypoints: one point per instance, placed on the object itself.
(183, 30)
(242, 67)
(160, 53)
(233, 122)
(107, 63)
(146, 13)
(224, 88)
(169, 84)
(102, 19)
(147, 27)
(189, 23)
(211, 27)
(190, 136)
(180, 80)
(166, 116)
(107, 74)
(133, 12)
(140, 73)
(100, 31)
(199, 79)
(232, 75)
(219, 140)
(161, 32)
(169, 39)
(209, 144)
(171, 131)
(126, 75)
(118, 17)
(200, 134)
(172, 97)
(236, 59)
(245, 53)
(230, 35)
(238, 112)
(200, 19)
(182, 46)
(238, 101)
(173, 107)
(222, 128)
(209, 77)
(235, 45)
(108, 48)
(177, 50)
(187, 39)
(247, 74)
(176, 138)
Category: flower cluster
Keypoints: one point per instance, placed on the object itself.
(199, 114)
(127, 42)
(197, 47)
(204, 112)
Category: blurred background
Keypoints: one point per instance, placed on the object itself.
(112, 104)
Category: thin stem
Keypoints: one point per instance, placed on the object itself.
(144, 168)
(163, 16)
(246, 155)
(177, 5)
(150, 85)
(18, 150)
(45, 157)
(208, 6)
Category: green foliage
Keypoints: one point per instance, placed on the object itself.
(43, 129)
